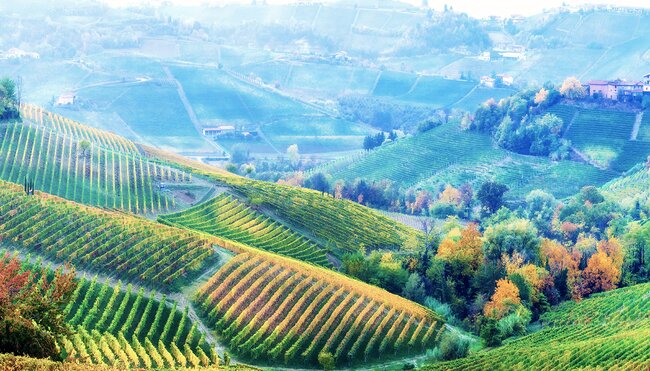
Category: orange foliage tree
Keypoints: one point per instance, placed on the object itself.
(603, 271)
(450, 195)
(468, 249)
(503, 301)
(31, 309)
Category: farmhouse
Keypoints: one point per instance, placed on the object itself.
(218, 130)
(66, 99)
(488, 81)
(15, 53)
(646, 83)
(617, 88)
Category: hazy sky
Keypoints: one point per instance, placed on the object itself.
(476, 8)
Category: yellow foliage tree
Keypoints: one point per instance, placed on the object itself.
(450, 195)
(503, 301)
(572, 88)
(603, 271)
(468, 248)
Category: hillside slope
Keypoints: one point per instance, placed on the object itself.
(607, 331)
(447, 154)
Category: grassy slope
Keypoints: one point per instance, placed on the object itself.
(448, 155)
(608, 330)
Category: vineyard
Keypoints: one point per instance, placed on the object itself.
(609, 330)
(633, 186)
(271, 308)
(117, 326)
(86, 171)
(601, 135)
(440, 156)
(101, 241)
(341, 225)
(225, 216)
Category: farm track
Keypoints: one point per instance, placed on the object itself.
(190, 110)
(637, 125)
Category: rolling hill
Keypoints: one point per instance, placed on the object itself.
(298, 309)
(441, 156)
(609, 330)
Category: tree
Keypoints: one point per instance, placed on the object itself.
(414, 289)
(541, 96)
(32, 307)
(84, 146)
(450, 195)
(512, 236)
(453, 346)
(491, 196)
(326, 360)
(603, 271)
(504, 300)
(468, 249)
(318, 182)
(490, 332)
(572, 88)
(293, 154)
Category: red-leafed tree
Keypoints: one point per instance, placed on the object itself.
(32, 309)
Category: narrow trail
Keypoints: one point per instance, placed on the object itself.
(190, 110)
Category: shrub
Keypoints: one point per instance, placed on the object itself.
(453, 346)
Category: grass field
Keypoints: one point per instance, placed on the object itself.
(607, 331)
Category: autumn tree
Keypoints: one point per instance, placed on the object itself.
(603, 271)
(450, 195)
(467, 249)
(32, 309)
(540, 96)
(504, 300)
(572, 88)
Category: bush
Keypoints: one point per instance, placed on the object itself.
(514, 324)
(490, 332)
(326, 360)
(453, 346)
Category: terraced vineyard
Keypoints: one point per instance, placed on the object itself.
(117, 326)
(340, 224)
(227, 217)
(271, 308)
(632, 187)
(101, 241)
(440, 156)
(84, 172)
(608, 331)
(76, 130)
(602, 134)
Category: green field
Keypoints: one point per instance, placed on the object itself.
(607, 331)
(393, 83)
(441, 155)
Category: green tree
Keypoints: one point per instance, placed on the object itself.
(490, 195)
(326, 360)
(510, 236)
(414, 289)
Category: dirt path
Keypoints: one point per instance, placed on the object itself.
(190, 111)
(637, 125)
